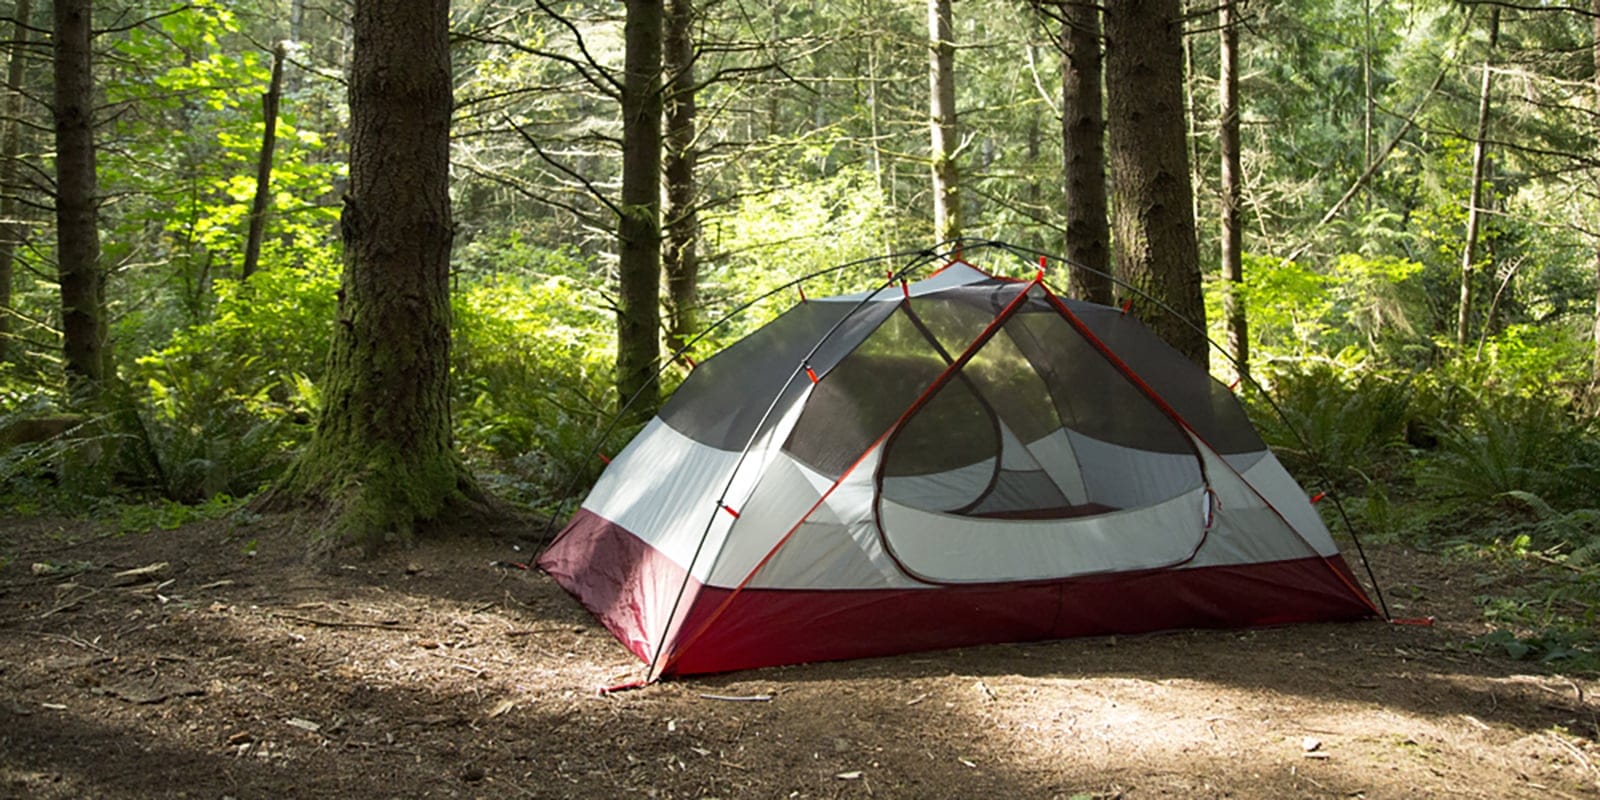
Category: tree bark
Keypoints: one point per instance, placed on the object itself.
(1083, 136)
(1233, 305)
(269, 138)
(1480, 155)
(85, 354)
(1152, 199)
(11, 228)
(1596, 370)
(381, 457)
(639, 224)
(680, 256)
(942, 121)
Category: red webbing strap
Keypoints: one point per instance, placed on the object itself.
(1425, 622)
(623, 687)
(940, 380)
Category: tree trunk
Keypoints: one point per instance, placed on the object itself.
(945, 133)
(1367, 101)
(85, 355)
(1153, 203)
(1480, 154)
(269, 138)
(11, 228)
(381, 457)
(1083, 135)
(682, 212)
(1233, 306)
(1596, 4)
(639, 227)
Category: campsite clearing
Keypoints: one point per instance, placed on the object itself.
(237, 670)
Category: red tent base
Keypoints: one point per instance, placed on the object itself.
(612, 572)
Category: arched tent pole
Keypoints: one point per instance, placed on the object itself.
(616, 418)
(925, 257)
(1031, 257)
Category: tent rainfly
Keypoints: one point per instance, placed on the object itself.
(961, 460)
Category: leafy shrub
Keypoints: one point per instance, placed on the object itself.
(226, 402)
(532, 366)
(1516, 446)
(1352, 428)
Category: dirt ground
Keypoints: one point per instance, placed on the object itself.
(230, 667)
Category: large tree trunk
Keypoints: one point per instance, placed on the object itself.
(1480, 156)
(381, 457)
(11, 228)
(681, 213)
(945, 133)
(1153, 202)
(1083, 136)
(1233, 308)
(269, 139)
(639, 226)
(83, 326)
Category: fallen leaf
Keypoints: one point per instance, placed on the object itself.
(502, 707)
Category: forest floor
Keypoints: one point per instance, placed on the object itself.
(231, 667)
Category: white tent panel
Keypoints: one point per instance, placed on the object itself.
(954, 549)
(663, 487)
(1055, 454)
(950, 489)
(1250, 525)
(779, 503)
(1125, 477)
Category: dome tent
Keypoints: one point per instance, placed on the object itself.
(961, 460)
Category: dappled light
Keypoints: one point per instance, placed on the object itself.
(437, 672)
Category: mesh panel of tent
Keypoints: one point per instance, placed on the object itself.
(1037, 424)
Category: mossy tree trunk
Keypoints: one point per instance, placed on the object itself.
(381, 458)
(83, 321)
(1152, 198)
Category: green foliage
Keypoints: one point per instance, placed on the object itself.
(169, 515)
(1350, 424)
(1515, 446)
(1551, 613)
(532, 365)
(226, 401)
